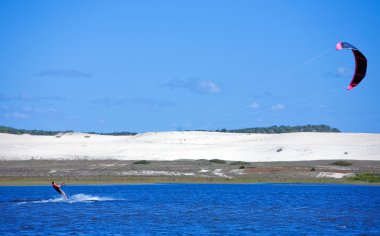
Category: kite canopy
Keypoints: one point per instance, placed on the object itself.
(360, 60)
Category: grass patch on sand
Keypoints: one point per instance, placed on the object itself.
(218, 161)
(366, 177)
(341, 163)
(109, 180)
(240, 163)
(141, 162)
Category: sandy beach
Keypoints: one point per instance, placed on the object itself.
(80, 158)
(165, 146)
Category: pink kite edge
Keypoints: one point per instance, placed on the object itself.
(339, 46)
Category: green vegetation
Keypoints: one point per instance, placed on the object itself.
(239, 163)
(218, 161)
(41, 180)
(264, 130)
(366, 177)
(283, 129)
(116, 133)
(341, 163)
(141, 162)
(10, 130)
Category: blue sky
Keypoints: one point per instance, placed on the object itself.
(144, 66)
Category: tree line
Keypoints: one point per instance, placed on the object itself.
(10, 130)
(283, 129)
(261, 130)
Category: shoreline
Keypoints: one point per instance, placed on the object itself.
(95, 172)
(34, 181)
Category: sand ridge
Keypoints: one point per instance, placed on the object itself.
(193, 145)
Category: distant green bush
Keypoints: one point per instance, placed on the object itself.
(341, 163)
(242, 167)
(283, 129)
(366, 177)
(239, 163)
(218, 161)
(141, 162)
(10, 130)
(267, 130)
(117, 133)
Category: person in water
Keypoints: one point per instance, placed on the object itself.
(57, 187)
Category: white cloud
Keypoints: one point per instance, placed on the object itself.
(24, 97)
(343, 72)
(254, 105)
(195, 86)
(102, 121)
(145, 103)
(35, 110)
(25, 112)
(16, 115)
(208, 86)
(44, 109)
(259, 120)
(278, 107)
(63, 73)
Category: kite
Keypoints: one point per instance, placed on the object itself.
(360, 61)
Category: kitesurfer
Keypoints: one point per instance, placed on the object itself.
(57, 187)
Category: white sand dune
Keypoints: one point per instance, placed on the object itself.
(193, 145)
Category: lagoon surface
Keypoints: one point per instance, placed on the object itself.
(191, 209)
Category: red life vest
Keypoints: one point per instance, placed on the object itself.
(57, 188)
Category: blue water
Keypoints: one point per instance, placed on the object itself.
(192, 209)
